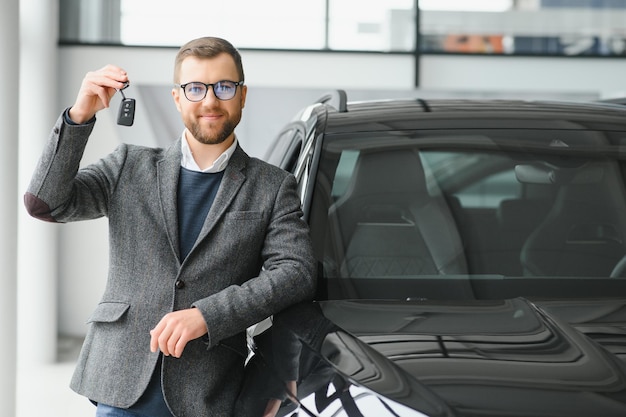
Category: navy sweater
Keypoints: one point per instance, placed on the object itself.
(196, 193)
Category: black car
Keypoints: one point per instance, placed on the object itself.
(472, 261)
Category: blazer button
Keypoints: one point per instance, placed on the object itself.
(179, 284)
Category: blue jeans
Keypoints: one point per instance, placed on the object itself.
(151, 403)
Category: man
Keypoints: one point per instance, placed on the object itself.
(204, 242)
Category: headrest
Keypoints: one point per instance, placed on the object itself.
(391, 172)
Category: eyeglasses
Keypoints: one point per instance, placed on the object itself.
(223, 90)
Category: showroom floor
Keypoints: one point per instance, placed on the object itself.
(44, 390)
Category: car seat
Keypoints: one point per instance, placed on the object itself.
(387, 223)
(517, 218)
(583, 233)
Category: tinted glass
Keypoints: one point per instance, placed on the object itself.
(285, 149)
(493, 214)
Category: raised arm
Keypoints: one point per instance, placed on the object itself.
(96, 91)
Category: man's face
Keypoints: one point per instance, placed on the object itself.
(210, 121)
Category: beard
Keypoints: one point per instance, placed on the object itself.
(213, 136)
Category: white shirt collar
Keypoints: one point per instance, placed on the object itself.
(189, 163)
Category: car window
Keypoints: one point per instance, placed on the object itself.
(285, 150)
(344, 172)
(501, 207)
(486, 191)
(491, 191)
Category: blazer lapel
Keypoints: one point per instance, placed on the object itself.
(168, 172)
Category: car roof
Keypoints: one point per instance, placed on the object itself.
(411, 114)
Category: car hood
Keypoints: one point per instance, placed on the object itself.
(512, 357)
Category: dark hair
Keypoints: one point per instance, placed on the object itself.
(207, 47)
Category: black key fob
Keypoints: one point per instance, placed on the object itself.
(126, 114)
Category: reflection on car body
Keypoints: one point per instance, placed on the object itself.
(472, 262)
(327, 362)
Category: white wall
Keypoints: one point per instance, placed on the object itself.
(83, 246)
(604, 77)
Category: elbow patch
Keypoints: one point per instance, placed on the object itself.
(37, 208)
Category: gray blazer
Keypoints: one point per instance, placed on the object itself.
(252, 259)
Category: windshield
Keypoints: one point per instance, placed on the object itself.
(466, 215)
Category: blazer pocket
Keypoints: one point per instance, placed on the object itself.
(108, 312)
(244, 215)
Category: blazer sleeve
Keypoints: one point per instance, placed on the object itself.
(59, 191)
(288, 275)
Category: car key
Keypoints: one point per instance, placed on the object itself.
(126, 113)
